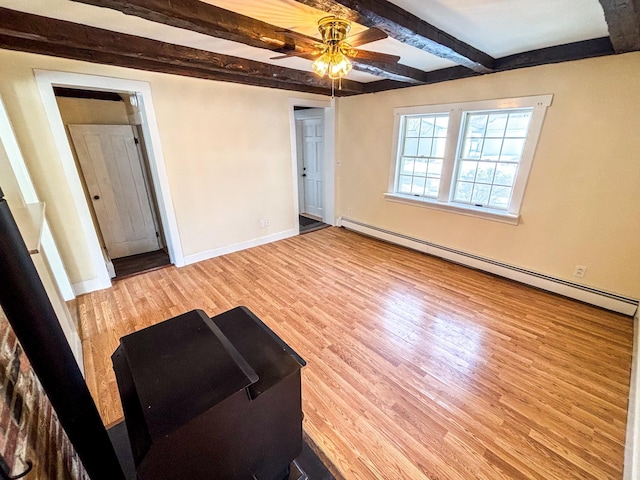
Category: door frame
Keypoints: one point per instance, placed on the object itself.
(46, 80)
(301, 116)
(328, 106)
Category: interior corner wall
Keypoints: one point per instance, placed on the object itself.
(226, 147)
(582, 201)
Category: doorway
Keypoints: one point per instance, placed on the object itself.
(106, 141)
(310, 132)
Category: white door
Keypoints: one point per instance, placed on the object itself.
(312, 172)
(112, 168)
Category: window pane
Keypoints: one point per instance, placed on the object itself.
(497, 124)
(438, 147)
(411, 147)
(433, 184)
(491, 149)
(427, 127)
(463, 192)
(418, 185)
(468, 171)
(413, 127)
(442, 123)
(505, 174)
(435, 167)
(472, 148)
(500, 197)
(424, 149)
(512, 149)
(420, 167)
(404, 184)
(476, 125)
(518, 124)
(485, 172)
(480, 194)
(406, 166)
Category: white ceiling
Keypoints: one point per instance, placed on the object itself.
(496, 27)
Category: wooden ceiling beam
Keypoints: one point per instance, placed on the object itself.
(596, 47)
(407, 28)
(37, 34)
(437, 76)
(202, 17)
(623, 19)
(208, 19)
(561, 53)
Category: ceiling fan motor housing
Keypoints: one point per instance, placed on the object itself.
(333, 29)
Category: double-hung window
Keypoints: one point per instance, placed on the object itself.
(472, 158)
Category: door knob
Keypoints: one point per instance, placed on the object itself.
(96, 197)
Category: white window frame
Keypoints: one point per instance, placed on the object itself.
(456, 111)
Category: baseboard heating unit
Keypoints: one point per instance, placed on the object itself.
(607, 300)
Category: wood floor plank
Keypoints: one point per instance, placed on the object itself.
(417, 367)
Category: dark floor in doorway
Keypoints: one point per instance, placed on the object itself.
(308, 224)
(143, 262)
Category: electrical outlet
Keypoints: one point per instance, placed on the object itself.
(350, 211)
(579, 271)
(267, 222)
(261, 223)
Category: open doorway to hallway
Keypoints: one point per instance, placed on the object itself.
(311, 158)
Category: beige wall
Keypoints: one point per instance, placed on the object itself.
(582, 203)
(228, 159)
(226, 147)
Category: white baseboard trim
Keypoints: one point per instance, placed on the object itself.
(236, 247)
(610, 301)
(632, 443)
(89, 286)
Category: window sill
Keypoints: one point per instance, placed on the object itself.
(494, 215)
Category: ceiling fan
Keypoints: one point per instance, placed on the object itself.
(333, 53)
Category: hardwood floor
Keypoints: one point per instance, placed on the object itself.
(417, 368)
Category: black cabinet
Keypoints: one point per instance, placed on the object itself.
(208, 398)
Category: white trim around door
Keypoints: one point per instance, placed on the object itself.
(329, 156)
(46, 80)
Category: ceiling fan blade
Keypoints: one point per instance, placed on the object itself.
(373, 56)
(297, 53)
(368, 36)
(280, 57)
(301, 36)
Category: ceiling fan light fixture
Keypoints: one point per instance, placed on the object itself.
(333, 63)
